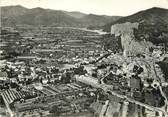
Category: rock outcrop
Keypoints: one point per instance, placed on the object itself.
(130, 45)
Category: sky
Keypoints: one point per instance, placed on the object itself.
(100, 7)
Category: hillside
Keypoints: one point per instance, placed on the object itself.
(18, 15)
(75, 14)
(36, 16)
(98, 20)
(13, 11)
(149, 17)
(142, 31)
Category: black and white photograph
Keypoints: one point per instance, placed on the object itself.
(83, 58)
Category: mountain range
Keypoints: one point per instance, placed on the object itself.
(19, 15)
(152, 16)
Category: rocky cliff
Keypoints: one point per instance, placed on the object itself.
(130, 45)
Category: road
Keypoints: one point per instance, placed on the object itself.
(107, 88)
